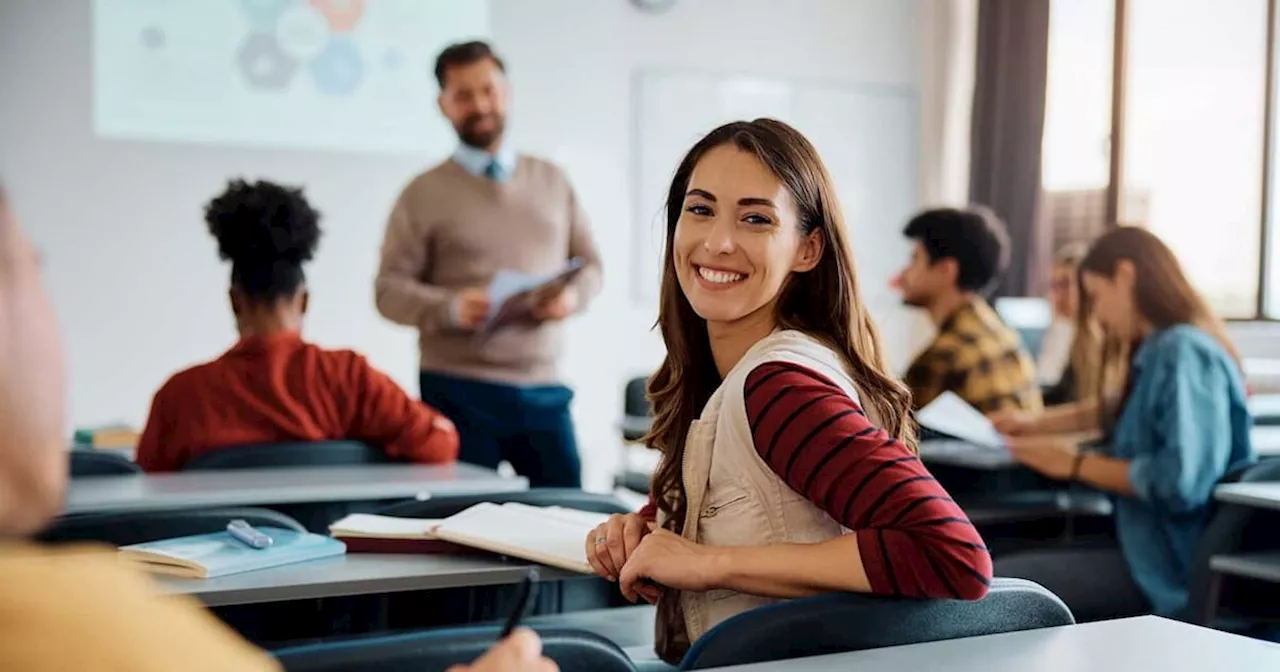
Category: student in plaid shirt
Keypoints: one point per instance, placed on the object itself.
(958, 256)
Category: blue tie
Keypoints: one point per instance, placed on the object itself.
(493, 171)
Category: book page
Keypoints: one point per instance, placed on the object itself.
(521, 531)
(953, 416)
(383, 527)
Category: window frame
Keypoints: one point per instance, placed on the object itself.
(1269, 216)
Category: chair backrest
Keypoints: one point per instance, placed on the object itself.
(1232, 528)
(290, 454)
(573, 651)
(123, 529)
(443, 507)
(847, 622)
(90, 462)
(635, 400)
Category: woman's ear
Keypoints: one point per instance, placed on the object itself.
(810, 251)
(1126, 275)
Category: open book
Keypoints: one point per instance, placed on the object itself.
(550, 535)
(207, 556)
(514, 295)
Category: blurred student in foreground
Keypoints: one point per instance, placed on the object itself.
(80, 608)
(1179, 426)
(958, 256)
(272, 386)
(789, 467)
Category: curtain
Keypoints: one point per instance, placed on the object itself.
(1007, 126)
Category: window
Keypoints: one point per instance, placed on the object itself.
(1190, 125)
(1075, 155)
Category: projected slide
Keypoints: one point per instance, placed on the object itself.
(346, 75)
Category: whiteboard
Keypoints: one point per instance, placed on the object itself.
(866, 135)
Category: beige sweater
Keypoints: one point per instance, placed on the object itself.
(451, 230)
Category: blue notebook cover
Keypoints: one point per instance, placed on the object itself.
(219, 554)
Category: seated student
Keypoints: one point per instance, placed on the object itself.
(272, 386)
(1053, 363)
(80, 608)
(958, 255)
(1181, 424)
(788, 463)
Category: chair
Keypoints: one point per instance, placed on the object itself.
(1232, 528)
(91, 462)
(846, 622)
(317, 516)
(289, 454)
(125, 528)
(573, 651)
(636, 415)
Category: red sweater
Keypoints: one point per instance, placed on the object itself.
(278, 388)
(913, 538)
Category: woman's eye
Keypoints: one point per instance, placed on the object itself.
(698, 209)
(757, 219)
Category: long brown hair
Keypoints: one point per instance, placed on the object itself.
(1162, 295)
(1086, 342)
(823, 303)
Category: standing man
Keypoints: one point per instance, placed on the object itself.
(959, 255)
(484, 210)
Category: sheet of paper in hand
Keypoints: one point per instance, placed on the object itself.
(952, 416)
(513, 295)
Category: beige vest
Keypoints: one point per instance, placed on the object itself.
(734, 498)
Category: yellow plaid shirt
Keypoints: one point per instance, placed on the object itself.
(978, 357)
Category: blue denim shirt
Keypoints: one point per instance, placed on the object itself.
(1186, 424)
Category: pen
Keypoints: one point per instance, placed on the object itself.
(522, 602)
(246, 534)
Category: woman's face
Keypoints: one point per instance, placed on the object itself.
(1062, 290)
(1111, 300)
(738, 237)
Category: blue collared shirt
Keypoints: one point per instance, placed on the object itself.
(1186, 423)
(477, 161)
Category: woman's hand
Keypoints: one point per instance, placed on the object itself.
(668, 559)
(613, 541)
(1051, 456)
(1013, 422)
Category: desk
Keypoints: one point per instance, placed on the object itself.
(1145, 644)
(286, 485)
(1263, 565)
(1265, 409)
(1262, 495)
(1266, 440)
(356, 574)
(957, 453)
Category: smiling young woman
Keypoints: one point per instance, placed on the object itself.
(788, 466)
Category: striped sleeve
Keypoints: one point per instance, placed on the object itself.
(914, 540)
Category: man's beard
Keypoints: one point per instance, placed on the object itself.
(480, 139)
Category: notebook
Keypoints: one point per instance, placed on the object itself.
(551, 536)
(207, 556)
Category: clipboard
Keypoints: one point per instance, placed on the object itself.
(519, 294)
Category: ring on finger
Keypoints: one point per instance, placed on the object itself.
(601, 540)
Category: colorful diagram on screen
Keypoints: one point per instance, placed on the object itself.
(326, 74)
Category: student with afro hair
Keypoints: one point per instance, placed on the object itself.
(272, 386)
